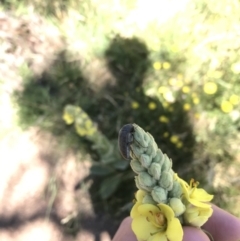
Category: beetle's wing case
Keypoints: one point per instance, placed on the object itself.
(125, 138)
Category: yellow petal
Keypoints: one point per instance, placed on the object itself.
(174, 230)
(168, 212)
(134, 212)
(198, 221)
(158, 237)
(142, 228)
(140, 195)
(206, 212)
(201, 195)
(145, 209)
(198, 203)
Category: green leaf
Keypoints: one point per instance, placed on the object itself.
(109, 186)
(120, 165)
(100, 170)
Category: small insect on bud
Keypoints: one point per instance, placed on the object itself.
(125, 138)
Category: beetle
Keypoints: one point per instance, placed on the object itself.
(125, 138)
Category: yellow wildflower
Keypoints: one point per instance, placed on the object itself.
(185, 89)
(226, 106)
(236, 68)
(157, 65)
(174, 139)
(163, 119)
(154, 222)
(197, 116)
(196, 216)
(179, 144)
(179, 83)
(197, 210)
(166, 134)
(172, 81)
(69, 119)
(210, 88)
(166, 65)
(194, 95)
(80, 130)
(234, 99)
(196, 100)
(152, 106)
(135, 105)
(162, 89)
(186, 106)
(180, 76)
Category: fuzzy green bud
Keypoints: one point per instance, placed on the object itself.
(145, 160)
(148, 199)
(166, 180)
(177, 206)
(176, 190)
(159, 158)
(146, 181)
(167, 164)
(136, 166)
(155, 170)
(140, 136)
(159, 194)
(136, 151)
(152, 147)
(141, 187)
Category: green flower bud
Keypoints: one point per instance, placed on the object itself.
(167, 164)
(166, 180)
(136, 151)
(159, 194)
(148, 199)
(176, 190)
(177, 206)
(152, 147)
(159, 158)
(155, 170)
(136, 166)
(145, 180)
(140, 186)
(145, 160)
(140, 136)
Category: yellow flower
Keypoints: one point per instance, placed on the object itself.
(179, 144)
(197, 116)
(179, 83)
(210, 88)
(196, 216)
(174, 139)
(166, 65)
(196, 100)
(157, 65)
(163, 119)
(154, 222)
(195, 196)
(152, 106)
(162, 89)
(186, 106)
(180, 76)
(234, 99)
(135, 105)
(226, 106)
(166, 134)
(185, 89)
(197, 210)
(69, 119)
(172, 81)
(236, 68)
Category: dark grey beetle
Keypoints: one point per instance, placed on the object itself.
(125, 138)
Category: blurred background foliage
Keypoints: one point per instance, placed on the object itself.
(172, 67)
